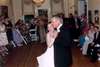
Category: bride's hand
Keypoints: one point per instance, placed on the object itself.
(55, 34)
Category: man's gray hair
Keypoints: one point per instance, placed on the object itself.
(57, 18)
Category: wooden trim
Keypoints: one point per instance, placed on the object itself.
(33, 8)
(63, 6)
(12, 17)
(22, 7)
(51, 7)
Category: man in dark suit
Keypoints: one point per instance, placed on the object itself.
(97, 36)
(76, 25)
(62, 44)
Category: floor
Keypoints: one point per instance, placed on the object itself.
(26, 57)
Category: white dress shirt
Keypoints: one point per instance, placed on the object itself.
(58, 28)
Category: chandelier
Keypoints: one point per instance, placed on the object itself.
(38, 2)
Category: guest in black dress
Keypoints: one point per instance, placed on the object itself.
(9, 26)
(9, 32)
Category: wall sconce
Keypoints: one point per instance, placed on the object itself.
(3, 2)
(38, 2)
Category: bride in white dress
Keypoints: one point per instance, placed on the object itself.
(47, 59)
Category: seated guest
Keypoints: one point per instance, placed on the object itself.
(17, 37)
(82, 39)
(91, 33)
(42, 31)
(9, 25)
(85, 44)
(88, 39)
(24, 29)
(93, 47)
(97, 36)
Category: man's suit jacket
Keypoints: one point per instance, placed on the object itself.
(73, 22)
(64, 37)
(97, 40)
(62, 48)
(78, 22)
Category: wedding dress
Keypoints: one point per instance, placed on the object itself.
(47, 59)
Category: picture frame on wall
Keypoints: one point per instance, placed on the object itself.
(96, 18)
(90, 16)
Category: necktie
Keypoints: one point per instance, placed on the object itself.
(96, 35)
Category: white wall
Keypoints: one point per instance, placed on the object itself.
(66, 8)
(28, 9)
(17, 9)
(71, 6)
(94, 5)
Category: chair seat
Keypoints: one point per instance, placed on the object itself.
(33, 34)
